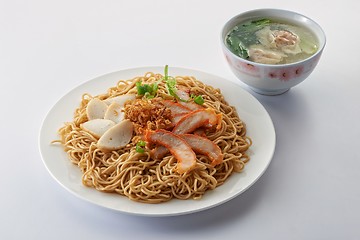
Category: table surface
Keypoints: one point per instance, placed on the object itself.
(309, 191)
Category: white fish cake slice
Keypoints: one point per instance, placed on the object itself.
(120, 99)
(114, 113)
(96, 109)
(97, 127)
(117, 136)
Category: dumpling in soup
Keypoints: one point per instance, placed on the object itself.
(282, 40)
(259, 54)
(271, 42)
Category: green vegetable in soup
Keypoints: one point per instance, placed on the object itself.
(243, 35)
(269, 41)
(236, 46)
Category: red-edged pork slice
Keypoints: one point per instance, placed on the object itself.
(200, 132)
(191, 105)
(204, 146)
(159, 152)
(176, 108)
(193, 120)
(176, 118)
(183, 92)
(185, 156)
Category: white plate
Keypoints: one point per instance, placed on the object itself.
(259, 125)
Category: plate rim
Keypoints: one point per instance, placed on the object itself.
(143, 70)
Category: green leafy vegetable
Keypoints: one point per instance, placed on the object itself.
(140, 146)
(243, 35)
(149, 91)
(237, 46)
(260, 22)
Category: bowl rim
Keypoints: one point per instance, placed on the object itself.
(232, 19)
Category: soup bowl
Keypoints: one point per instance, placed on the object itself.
(273, 79)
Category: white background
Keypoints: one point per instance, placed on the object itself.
(311, 188)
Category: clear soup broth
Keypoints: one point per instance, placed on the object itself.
(269, 41)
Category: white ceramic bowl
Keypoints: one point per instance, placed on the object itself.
(272, 79)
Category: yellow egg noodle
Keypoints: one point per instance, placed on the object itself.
(137, 175)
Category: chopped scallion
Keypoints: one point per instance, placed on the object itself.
(199, 100)
(140, 146)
